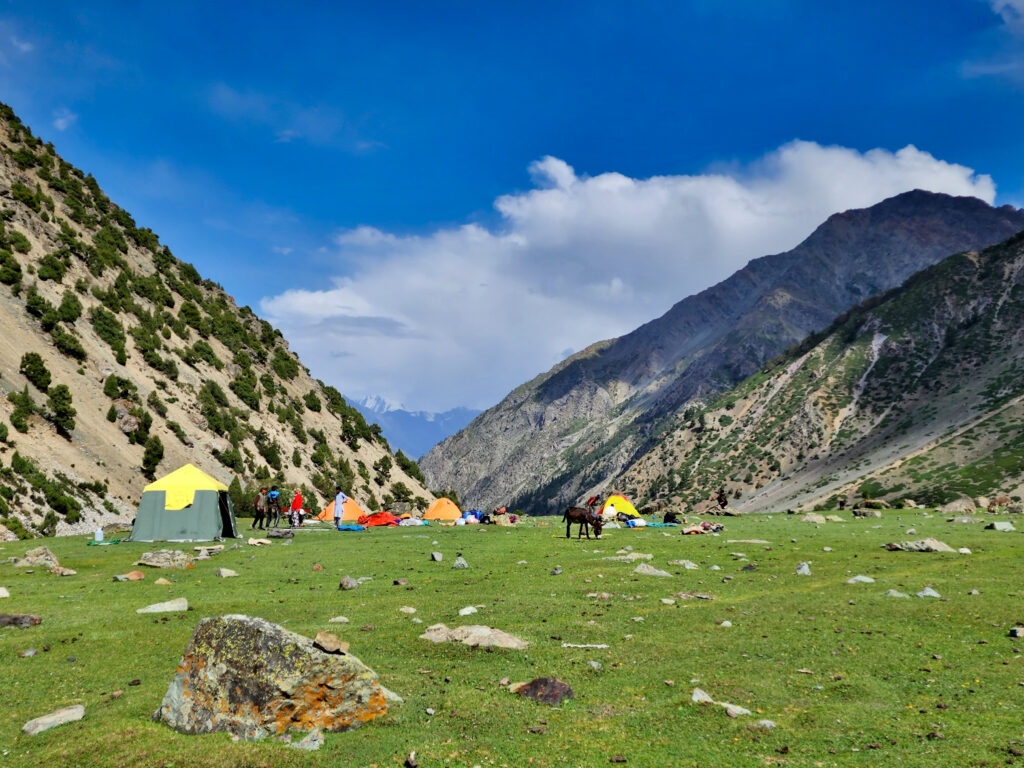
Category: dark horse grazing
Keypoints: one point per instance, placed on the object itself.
(586, 518)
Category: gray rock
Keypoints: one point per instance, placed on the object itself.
(4, 593)
(328, 642)
(28, 653)
(700, 696)
(280, 533)
(864, 513)
(467, 611)
(860, 580)
(964, 551)
(177, 604)
(595, 665)
(963, 505)
(644, 569)
(1001, 525)
(437, 557)
(21, 620)
(40, 557)
(474, 635)
(895, 593)
(964, 519)
(311, 742)
(804, 569)
(922, 545)
(733, 710)
(348, 583)
(166, 558)
(714, 568)
(460, 562)
(766, 725)
(813, 517)
(928, 592)
(687, 564)
(226, 573)
(254, 679)
(52, 720)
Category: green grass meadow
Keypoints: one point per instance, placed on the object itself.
(849, 676)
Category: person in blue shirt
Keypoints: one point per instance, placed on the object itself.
(273, 506)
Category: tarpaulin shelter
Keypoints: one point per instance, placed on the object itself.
(185, 505)
(443, 509)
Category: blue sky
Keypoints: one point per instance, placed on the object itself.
(472, 190)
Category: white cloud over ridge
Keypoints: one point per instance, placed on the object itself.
(462, 315)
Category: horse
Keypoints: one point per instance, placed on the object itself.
(586, 518)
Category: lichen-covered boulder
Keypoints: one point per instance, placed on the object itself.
(253, 678)
(167, 558)
(40, 557)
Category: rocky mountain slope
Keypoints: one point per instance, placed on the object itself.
(574, 428)
(414, 432)
(119, 362)
(918, 393)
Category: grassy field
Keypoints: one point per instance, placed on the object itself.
(850, 676)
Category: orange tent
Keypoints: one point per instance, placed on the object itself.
(443, 509)
(350, 512)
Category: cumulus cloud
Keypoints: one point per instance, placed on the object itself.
(64, 118)
(461, 315)
(1004, 55)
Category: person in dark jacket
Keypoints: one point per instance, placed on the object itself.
(273, 506)
(260, 509)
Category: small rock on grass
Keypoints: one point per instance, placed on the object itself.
(226, 573)
(928, 592)
(437, 557)
(4, 593)
(644, 569)
(469, 609)
(55, 718)
(162, 582)
(311, 742)
(22, 620)
(406, 609)
(804, 569)
(328, 642)
(338, 620)
(460, 562)
(687, 564)
(700, 696)
(767, 725)
(130, 576)
(348, 583)
(859, 579)
(30, 652)
(895, 593)
(178, 604)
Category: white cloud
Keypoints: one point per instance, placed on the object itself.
(22, 46)
(461, 315)
(64, 118)
(1011, 12)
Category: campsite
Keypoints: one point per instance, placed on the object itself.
(832, 672)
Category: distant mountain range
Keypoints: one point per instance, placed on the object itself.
(581, 425)
(414, 432)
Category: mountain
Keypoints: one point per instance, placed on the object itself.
(118, 361)
(414, 432)
(572, 429)
(917, 393)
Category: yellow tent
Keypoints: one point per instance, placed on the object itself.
(443, 509)
(181, 485)
(621, 504)
(350, 512)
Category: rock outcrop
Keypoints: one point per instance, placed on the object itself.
(253, 678)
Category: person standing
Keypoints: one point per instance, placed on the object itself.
(295, 510)
(339, 503)
(273, 506)
(261, 510)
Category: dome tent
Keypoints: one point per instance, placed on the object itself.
(443, 509)
(185, 505)
(622, 506)
(350, 512)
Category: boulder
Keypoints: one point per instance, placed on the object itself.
(928, 592)
(860, 579)
(460, 562)
(981, 502)
(804, 569)
(167, 558)
(177, 604)
(865, 512)
(475, 636)
(1001, 525)
(22, 620)
(545, 690)
(437, 557)
(1014, 508)
(226, 573)
(687, 564)
(40, 557)
(348, 583)
(908, 504)
(58, 717)
(813, 517)
(280, 533)
(961, 506)
(252, 678)
(922, 545)
(328, 642)
(60, 570)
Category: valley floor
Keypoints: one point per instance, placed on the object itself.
(849, 675)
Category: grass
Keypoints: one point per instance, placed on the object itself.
(878, 692)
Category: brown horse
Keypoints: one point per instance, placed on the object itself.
(586, 518)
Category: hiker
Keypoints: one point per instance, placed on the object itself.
(260, 509)
(273, 506)
(296, 509)
(339, 501)
(722, 499)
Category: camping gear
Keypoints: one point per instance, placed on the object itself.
(350, 528)
(443, 509)
(378, 518)
(350, 512)
(622, 507)
(185, 505)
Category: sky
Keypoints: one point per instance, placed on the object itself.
(436, 202)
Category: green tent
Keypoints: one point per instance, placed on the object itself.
(186, 505)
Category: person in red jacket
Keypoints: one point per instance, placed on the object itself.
(295, 510)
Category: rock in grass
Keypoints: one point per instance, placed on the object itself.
(226, 573)
(167, 558)
(28, 653)
(177, 604)
(859, 579)
(311, 742)
(280, 533)
(1000, 525)
(348, 583)
(39, 557)
(21, 620)
(468, 610)
(1016, 631)
(700, 696)
(4, 593)
(733, 710)
(52, 720)
(804, 569)
(460, 562)
(130, 576)
(645, 569)
(254, 679)
(328, 642)
(766, 725)
(474, 635)
(922, 545)
(813, 517)
(60, 570)
(895, 593)
(162, 582)
(437, 557)
(545, 690)
(687, 564)
(928, 592)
